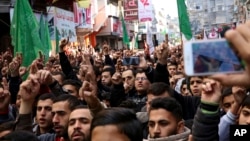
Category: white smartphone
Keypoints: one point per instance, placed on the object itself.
(207, 57)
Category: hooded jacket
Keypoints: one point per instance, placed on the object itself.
(179, 137)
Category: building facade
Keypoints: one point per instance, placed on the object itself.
(208, 14)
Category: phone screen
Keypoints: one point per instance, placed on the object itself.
(131, 61)
(214, 57)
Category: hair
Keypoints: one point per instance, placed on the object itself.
(20, 136)
(159, 88)
(72, 82)
(132, 70)
(80, 107)
(123, 118)
(72, 100)
(169, 104)
(110, 70)
(227, 91)
(246, 102)
(172, 63)
(10, 125)
(47, 96)
(184, 82)
(128, 104)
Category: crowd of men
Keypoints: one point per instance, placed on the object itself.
(94, 97)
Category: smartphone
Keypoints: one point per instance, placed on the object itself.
(135, 60)
(207, 57)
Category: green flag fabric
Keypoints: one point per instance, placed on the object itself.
(136, 42)
(125, 37)
(57, 40)
(25, 32)
(184, 23)
(45, 37)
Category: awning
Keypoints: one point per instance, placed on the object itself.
(83, 31)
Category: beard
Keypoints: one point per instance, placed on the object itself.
(84, 136)
(173, 132)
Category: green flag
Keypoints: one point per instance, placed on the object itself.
(45, 37)
(57, 40)
(25, 32)
(125, 37)
(184, 23)
(136, 41)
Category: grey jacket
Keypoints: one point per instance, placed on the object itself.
(179, 137)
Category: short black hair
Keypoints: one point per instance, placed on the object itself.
(110, 70)
(184, 82)
(128, 104)
(169, 104)
(72, 82)
(246, 102)
(72, 100)
(132, 70)
(125, 120)
(158, 88)
(10, 125)
(47, 96)
(20, 136)
(226, 92)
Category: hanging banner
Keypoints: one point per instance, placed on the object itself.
(145, 10)
(130, 10)
(64, 22)
(82, 16)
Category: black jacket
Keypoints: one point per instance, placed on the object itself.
(205, 126)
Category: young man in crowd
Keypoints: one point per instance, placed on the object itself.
(166, 121)
(44, 114)
(79, 124)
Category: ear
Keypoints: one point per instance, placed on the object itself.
(180, 127)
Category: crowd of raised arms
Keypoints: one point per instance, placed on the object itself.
(94, 97)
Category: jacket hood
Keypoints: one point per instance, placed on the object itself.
(179, 137)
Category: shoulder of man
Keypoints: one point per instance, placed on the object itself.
(47, 137)
(142, 117)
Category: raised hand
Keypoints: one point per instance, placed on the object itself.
(105, 49)
(4, 95)
(239, 94)
(211, 91)
(162, 53)
(116, 78)
(29, 89)
(45, 77)
(63, 44)
(14, 67)
(22, 71)
(143, 63)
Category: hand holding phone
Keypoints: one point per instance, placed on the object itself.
(209, 57)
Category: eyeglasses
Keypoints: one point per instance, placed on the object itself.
(140, 78)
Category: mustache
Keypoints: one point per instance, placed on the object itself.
(77, 132)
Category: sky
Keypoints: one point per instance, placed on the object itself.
(170, 6)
